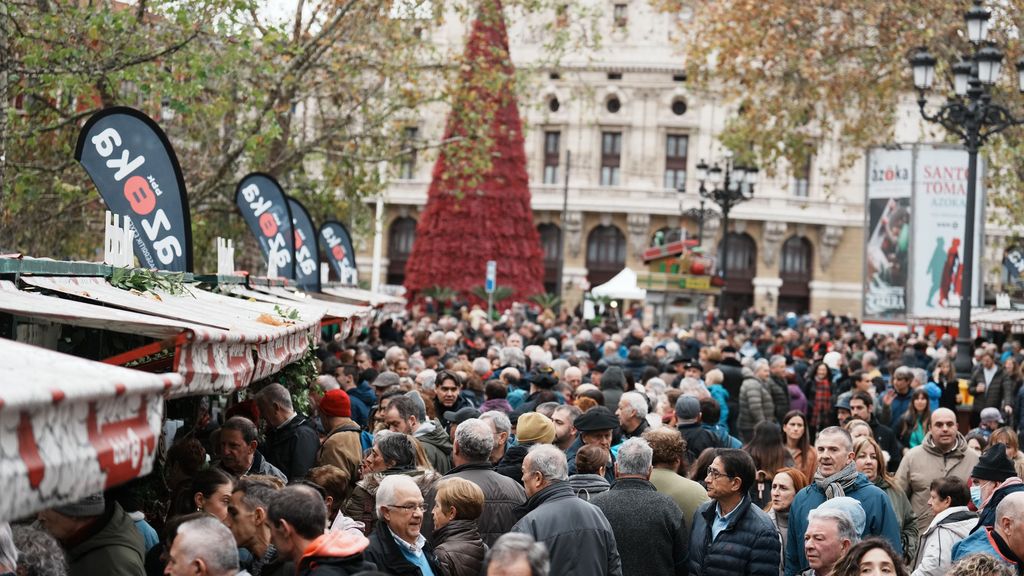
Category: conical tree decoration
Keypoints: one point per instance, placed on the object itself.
(474, 215)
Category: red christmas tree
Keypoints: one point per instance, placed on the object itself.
(469, 220)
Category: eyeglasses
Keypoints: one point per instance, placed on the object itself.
(422, 507)
(715, 474)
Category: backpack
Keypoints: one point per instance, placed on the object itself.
(365, 438)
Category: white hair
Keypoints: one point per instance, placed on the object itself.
(426, 378)
(276, 394)
(560, 365)
(327, 382)
(210, 540)
(637, 403)
(481, 366)
(694, 387)
(388, 489)
(549, 460)
(635, 456)
(512, 356)
(499, 419)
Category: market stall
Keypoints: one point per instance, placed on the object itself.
(72, 427)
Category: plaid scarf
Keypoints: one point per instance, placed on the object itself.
(822, 414)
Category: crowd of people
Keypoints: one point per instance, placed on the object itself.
(452, 445)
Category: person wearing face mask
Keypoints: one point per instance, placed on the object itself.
(993, 479)
(786, 483)
(953, 522)
(868, 455)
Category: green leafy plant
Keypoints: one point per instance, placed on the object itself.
(145, 280)
(287, 313)
(500, 293)
(547, 300)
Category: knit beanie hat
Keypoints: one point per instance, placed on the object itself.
(534, 427)
(994, 465)
(336, 404)
(91, 505)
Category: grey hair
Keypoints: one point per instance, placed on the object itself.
(243, 426)
(394, 354)
(500, 420)
(426, 378)
(8, 553)
(39, 554)
(395, 447)
(512, 356)
(549, 461)
(275, 394)
(481, 366)
(693, 387)
(777, 359)
(903, 372)
(560, 365)
(637, 402)
(920, 374)
(209, 539)
(388, 487)
(758, 364)
(1012, 506)
(513, 546)
(836, 430)
(655, 386)
(326, 382)
(571, 412)
(475, 439)
(635, 456)
(844, 523)
(421, 408)
(547, 408)
(869, 357)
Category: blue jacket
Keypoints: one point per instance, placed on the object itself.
(361, 398)
(721, 395)
(982, 542)
(878, 510)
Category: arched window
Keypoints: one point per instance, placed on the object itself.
(795, 270)
(401, 236)
(668, 235)
(606, 254)
(551, 244)
(740, 269)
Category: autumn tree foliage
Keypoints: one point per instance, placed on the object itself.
(478, 213)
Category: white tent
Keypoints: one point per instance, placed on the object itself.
(621, 287)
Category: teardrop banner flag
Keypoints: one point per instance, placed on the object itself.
(265, 208)
(337, 242)
(307, 249)
(132, 164)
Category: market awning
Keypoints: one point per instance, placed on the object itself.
(389, 305)
(347, 316)
(72, 427)
(621, 286)
(215, 352)
(983, 318)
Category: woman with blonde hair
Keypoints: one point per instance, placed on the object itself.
(870, 461)
(457, 543)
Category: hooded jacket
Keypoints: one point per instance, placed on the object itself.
(459, 549)
(579, 538)
(925, 463)
(947, 528)
(362, 505)
(749, 544)
(292, 448)
(613, 385)
(436, 445)
(115, 547)
(878, 510)
(502, 496)
(588, 485)
(334, 554)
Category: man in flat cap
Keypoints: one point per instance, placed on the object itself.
(595, 426)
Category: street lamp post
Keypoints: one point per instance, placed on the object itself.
(728, 187)
(974, 118)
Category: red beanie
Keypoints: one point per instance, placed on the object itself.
(336, 404)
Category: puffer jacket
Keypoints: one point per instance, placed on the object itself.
(936, 553)
(881, 519)
(438, 447)
(292, 448)
(756, 405)
(579, 538)
(502, 497)
(459, 549)
(362, 505)
(986, 541)
(925, 463)
(587, 485)
(389, 559)
(114, 548)
(334, 554)
(749, 544)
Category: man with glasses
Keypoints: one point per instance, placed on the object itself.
(730, 536)
(396, 545)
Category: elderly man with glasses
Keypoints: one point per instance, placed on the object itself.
(396, 545)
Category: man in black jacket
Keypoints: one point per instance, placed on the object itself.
(291, 440)
(650, 532)
(688, 422)
(396, 545)
(733, 372)
(730, 536)
(861, 407)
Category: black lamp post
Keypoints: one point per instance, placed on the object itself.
(728, 187)
(701, 215)
(970, 114)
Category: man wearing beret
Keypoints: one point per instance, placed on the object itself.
(343, 446)
(595, 426)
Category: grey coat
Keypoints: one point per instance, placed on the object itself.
(756, 404)
(502, 497)
(649, 528)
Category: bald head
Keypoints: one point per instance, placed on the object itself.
(1010, 521)
(944, 430)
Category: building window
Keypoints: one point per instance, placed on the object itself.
(552, 153)
(614, 105)
(802, 179)
(619, 15)
(401, 237)
(606, 254)
(679, 107)
(554, 104)
(675, 161)
(407, 164)
(611, 158)
(796, 258)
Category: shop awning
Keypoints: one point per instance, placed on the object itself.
(981, 318)
(348, 317)
(621, 286)
(219, 334)
(72, 427)
(389, 305)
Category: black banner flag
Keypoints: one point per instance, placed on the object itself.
(132, 164)
(337, 242)
(307, 251)
(265, 208)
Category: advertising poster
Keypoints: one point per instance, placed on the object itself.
(267, 213)
(940, 212)
(133, 165)
(335, 239)
(307, 248)
(888, 233)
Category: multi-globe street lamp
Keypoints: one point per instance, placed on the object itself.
(725, 187)
(970, 114)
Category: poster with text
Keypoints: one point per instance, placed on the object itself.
(887, 236)
(940, 213)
